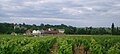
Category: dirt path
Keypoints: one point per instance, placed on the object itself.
(80, 50)
(75, 49)
(54, 49)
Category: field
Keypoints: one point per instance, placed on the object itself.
(83, 44)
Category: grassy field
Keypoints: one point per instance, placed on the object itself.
(69, 44)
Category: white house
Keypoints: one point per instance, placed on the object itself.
(61, 30)
(36, 32)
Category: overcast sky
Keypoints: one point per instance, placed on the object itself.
(80, 13)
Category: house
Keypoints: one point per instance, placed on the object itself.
(61, 31)
(52, 32)
(36, 32)
(28, 32)
(49, 31)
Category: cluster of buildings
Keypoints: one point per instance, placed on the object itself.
(49, 31)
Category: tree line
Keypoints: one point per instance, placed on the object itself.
(8, 28)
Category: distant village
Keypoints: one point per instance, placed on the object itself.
(47, 32)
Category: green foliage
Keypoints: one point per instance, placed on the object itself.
(42, 45)
(26, 45)
(64, 46)
(115, 49)
(94, 44)
(7, 28)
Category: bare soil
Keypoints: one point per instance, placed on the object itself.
(54, 49)
(80, 50)
(76, 49)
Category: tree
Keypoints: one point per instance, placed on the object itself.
(117, 31)
(113, 29)
(7, 28)
(23, 24)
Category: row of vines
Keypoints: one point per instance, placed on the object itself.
(88, 45)
(26, 45)
(65, 45)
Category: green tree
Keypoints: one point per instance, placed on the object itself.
(113, 29)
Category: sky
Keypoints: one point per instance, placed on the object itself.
(79, 13)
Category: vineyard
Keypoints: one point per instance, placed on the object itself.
(60, 45)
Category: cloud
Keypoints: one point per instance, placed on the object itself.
(117, 4)
(43, 19)
(70, 12)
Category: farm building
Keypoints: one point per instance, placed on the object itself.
(53, 31)
(28, 32)
(49, 31)
(36, 32)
